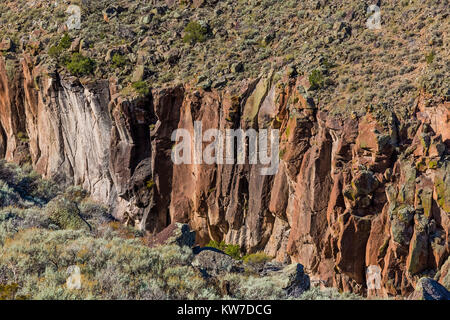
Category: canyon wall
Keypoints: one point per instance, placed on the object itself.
(350, 192)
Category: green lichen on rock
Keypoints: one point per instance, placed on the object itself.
(383, 249)
(432, 164)
(418, 253)
(402, 218)
(442, 186)
(424, 196)
(253, 103)
(407, 190)
(364, 183)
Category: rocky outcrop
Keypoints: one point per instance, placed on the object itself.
(428, 289)
(175, 234)
(212, 263)
(367, 190)
(443, 276)
(298, 282)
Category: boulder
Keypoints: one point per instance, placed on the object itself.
(109, 13)
(176, 233)
(429, 289)
(125, 32)
(444, 274)
(237, 67)
(146, 19)
(219, 83)
(364, 183)
(172, 57)
(298, 281)
(270, 268)
(75, 46)
(292, 278)
(417, 260)
(139, 73)
(205, 85)
(402, 224)
(6, 44)
(214, 263)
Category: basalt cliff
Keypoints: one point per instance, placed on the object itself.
(368, 187)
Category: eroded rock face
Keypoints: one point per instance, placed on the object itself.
(349, 193)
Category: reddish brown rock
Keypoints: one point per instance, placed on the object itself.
(352, 245)
(349, 193)
(280, 194)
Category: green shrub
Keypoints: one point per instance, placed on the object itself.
(118, 60)
(65, 214)
(218, 245)
(44, 190)
(194, 33)
(9, 292)
(316, 79)
(22, 185)
(430, 57)
(328, 294)
(254, 288)
(141, 87)
(23, 137)
(232, 250)
(150, 184)
(80, 65)
(256, 258)
(95, 213)
(55, 52)
(111, 268)
(13, 220)
(8, 196)
(65, 42)
(75, 193)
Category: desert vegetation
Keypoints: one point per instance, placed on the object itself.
(45, 229)
(213, 43)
